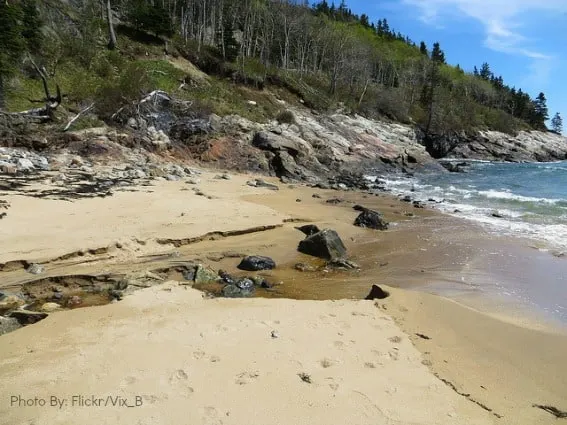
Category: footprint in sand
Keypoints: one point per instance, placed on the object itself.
(395, 339)
(198, 355)
(179, 379)
(339, 344)
(326, 363)
(211, 416)
(394, 355)
(246, 377)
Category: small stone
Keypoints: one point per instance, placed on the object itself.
(74, 301)
(10, 302)
(245, 284)
(298, 200)
(194, 180)
(302, 267)
(275, 334)
(49, 307)
(35, 269)
(315, 195)
(172, 178)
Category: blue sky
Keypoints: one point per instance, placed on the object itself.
(525, 41)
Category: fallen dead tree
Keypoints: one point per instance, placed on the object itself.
(44, 113)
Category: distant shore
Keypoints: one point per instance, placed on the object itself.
(474, 363)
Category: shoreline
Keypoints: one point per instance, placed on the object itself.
(384, 258)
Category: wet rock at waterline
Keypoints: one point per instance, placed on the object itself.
(325, 244)
(377, 293)
(256, 262)
(371, 219)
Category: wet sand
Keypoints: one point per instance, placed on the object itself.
(496, 360)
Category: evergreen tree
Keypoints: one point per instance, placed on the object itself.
(423, 48)
(475, 71)
(557, 123)
(437, 55)
(12, 43)
(540, 104)
(485, 72)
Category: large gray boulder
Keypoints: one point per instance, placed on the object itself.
(273, 142)
(325, 244)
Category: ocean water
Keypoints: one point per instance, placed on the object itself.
(528, 199)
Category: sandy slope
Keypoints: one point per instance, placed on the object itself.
(39, 229)
(196, 361)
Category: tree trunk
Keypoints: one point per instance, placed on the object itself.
(111, 34)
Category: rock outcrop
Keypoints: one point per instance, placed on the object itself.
(526, 146)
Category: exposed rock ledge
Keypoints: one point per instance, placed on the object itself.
(532, 146)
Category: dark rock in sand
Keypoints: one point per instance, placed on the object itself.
(308, 229)
(245, 284)
(315, 195)
(261, 282)
(377, 293)
(418, 204)
(371, 219)
(263, 183)
(406, 198)
(25, 317)
(334, 201)
(325, 244)
(359, 208)
(255, 262)
(226, 278)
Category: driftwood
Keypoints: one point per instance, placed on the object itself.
(150, 103)
(76, 117)
(44, 113)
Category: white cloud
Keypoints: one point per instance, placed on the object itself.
(500, 18)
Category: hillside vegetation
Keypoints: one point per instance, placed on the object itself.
(109, 53)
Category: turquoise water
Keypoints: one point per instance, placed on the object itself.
(520, 199)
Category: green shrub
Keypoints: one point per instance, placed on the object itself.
(286, 117)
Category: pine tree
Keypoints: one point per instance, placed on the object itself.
(437, 54)
(557, 123)
(475, 71)
(423, 49)
(485, 72)
(541, 111)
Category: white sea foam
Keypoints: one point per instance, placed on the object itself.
(508, 195)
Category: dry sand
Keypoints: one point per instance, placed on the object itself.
(213, 361)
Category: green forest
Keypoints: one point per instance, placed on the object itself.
(108, 52)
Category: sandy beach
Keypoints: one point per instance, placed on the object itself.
(319, 353)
